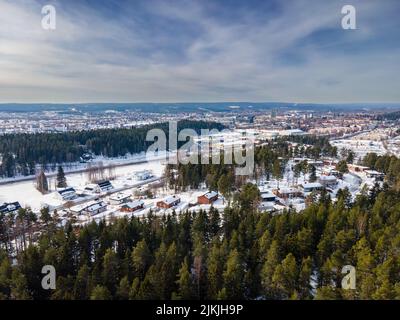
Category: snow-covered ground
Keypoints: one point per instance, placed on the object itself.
(74, 167)
(187, 198)
(127, 181)
(351, 181)
(360, 147)
(26, 194)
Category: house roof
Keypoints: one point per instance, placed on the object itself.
(312, 185)
(267, 194)
(133, 204)
(288, 190)
(96, 206)
(91, 206)
(90, 186)
(210, 195)
(171, 199)
(67, 190)
(120, 196)
(104, 184)
(143, 173)
(373, 172)
(9, 207)
(328, 178)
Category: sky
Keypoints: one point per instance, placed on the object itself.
(200, 51)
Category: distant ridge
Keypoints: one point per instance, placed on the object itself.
(192, 107)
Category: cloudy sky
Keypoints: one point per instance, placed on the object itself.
(208, 50)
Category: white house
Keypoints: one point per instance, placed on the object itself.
(92, 208)
(374, 174)
(95, 207)
(328, 181)
(67, 194)
(119, 198)
(267, 196)
(105, 186)
(92, 188)
(312, 186)
(143, 175)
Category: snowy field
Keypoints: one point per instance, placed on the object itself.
(73, 167)
(26, 194)
(360, 147)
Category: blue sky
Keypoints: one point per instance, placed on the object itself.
(209, 50)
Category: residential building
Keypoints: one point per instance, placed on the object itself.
(169, 202)
(119, 198)
(105, 186)
(207, 198)
(132, 206)
(11, 207)
(310, 187)
(67, 194)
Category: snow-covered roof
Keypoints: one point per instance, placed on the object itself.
(210, 195)
(267, 194)
(293, 131)
(65, 191)
(143, 173)
(105, 184)
(171, 199)
(120, 196)
(134, 204)
(315, 162)
(288, 190)
(91, 186)
(78, 208)
(373, 172)
(327, 178)
(90, 206)
(96, 206)
(312, 185)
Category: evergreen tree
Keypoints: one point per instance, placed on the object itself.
(233, 276)
(215, 271)
(185, 285)
(313, 174)
(249, 197)
(342, 166)
(100, 293)
(19, 286)
(110, 274)
(141, 259)
(285, 277)
(134, 289)
(82, 284)
(123, 289)
(61, 179)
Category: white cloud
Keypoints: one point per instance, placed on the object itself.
(92, 59)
